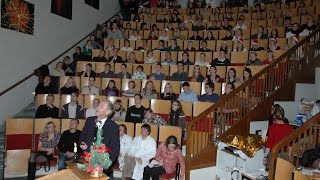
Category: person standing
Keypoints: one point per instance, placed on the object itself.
(66, 143)
(111, 138)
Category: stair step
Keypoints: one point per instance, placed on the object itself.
(205, 158)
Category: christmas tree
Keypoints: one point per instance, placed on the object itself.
(98, 155)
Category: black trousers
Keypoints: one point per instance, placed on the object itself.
(154, 173)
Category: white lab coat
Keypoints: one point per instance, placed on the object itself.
(144, 149)
(125, 144)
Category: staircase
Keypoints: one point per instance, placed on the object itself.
(251, 101)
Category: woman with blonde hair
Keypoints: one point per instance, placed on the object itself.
(69, 87)
(168, 93)
(48, 142)
(149, 92)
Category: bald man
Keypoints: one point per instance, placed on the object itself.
(111, 139)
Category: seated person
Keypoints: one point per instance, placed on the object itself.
(107, 73)
(124, 74)
(110, 45)
(260, 33)
(276, 132)
(226, 25)
(190, 46)
(212, 75)
(125, 144)
(247, 74)
(209, 96)
(69, 87)
(204, 46)
(195, 36)
(48, 141)
(177, 34)
(91, 89)
(168, 162)
(143, 148)
(240, 46)
(58, 71)
(69, 66)
(253, 60)
(91, 111)
(119, 111)
(135, 35)
(161, 46)
(221, 60)
(130, 92)
(48, 109)
(139, 74)
(168, 93)
(202, 60)
(173, 45)
(176, 115)
(153, 35)
(228, 36)
(126, 46)
(151, 118)
(198, 26)
(135, 113)
(101, 57)
(66, 144)
(88, 72)
(149, 92)
(214, 25)
(111, 89)
(115, 57)
(145, 46)
(150, 59)
(196, 74)
(187, 94)
(72, 109)
(232, 76)
(158, 75)
(168, 59)
(209, 36)
(255, 46)
(46, 87)
(163, 36)
(180, 75)
(162, 19)
(132, 58)
(185, 59)
(273, 45)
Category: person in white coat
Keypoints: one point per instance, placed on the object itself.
(143, 148)
(125, 144)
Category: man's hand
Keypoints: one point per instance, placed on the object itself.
(83, 146)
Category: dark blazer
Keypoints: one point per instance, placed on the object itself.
(263, 36)
(117, 60)
(65, 112)
(110, 135)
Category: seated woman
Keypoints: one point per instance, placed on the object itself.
(125, 144)
(232, 76)
(119, 111)
(202, 60)
(87, 50)
(168, 155)
(143, 148)
(276, 132)
(48, 142)
(151, 118)
(58, 71)
(176, 115)
(139, 74)
(168, 93)
(160, 46)
(130, 92)
(270, 58)
(163, 36)
(196, 74)
(273, 45)
(132, 58)
(88, 72)
(212, 76)
(111, 89)
(153, 36)
(46, 87)
(149, 92)
(254, 60)
(247, 74)
(126, 46)
(150, 59)
(69, 87)
(92, 110)
(240, 47)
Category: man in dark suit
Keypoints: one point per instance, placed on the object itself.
(111, 138)
(260, 33)
(115, 57)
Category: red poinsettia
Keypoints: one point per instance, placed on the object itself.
(86, 156)
(103, 149)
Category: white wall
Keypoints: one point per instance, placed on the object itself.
(22, 53)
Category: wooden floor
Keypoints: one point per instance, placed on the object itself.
(206, 158)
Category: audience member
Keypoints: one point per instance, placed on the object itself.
(124, 74)
(212, 75)
(253, 60)
(209, 95)
(135, 113)
(187, 94)
(115, 57)
(153, 119)
(107, 73)
(91, 111)
(180, 75)
(221, 60)
(142, 149)
(91, 89)
(150, 59)
(196, 74)
(139, 74)
(69, 139)
(119, 111)
(78, 55)
(168, 93)
(232, 76)
(185, 59)
(45, 87)
(69, 87)
(101, 57)
(58, 71)
(168, 59)
(48, 109)
(72, 109)
(125, 144)
(176, 115)
(149, 92)
(202, 60)
(87, 50)
(247, 74)
(130, 92)
(126, 46)
(158, 75)
(88, 72)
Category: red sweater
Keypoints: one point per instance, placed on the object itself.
(276, 133)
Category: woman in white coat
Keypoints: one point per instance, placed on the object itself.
(125, 144)
(143, 148)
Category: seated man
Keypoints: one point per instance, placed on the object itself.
(180, 75)
(101, 57)
(115, 58)
(143, 148)
(48, 109)
(124, 74)
(204, 46)
(221, 60)
(66, 143)
(135, 112)
(168, 59)
(158, 75)
(72, 109)
(46, 87)
(107, 73)
(209, 96)
(152, 118)
(91, 89)
(187, 94)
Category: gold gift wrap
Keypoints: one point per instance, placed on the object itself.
(247, 144)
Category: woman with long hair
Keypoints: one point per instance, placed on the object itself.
(247, 74)
(69, 87)
(232, 76)
(196, 74)
(149, 92)
(119, 112)
(176, 115)
(168, 93)
(111, 89)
